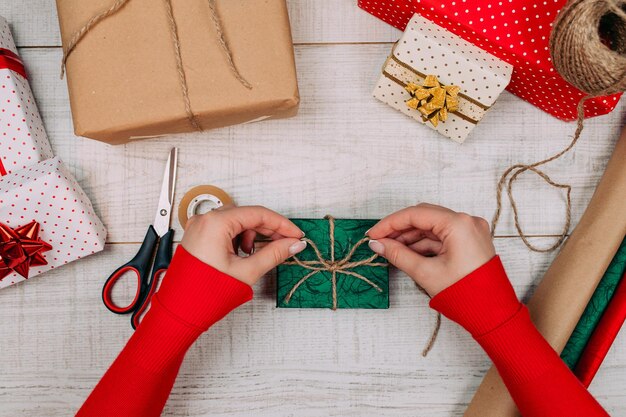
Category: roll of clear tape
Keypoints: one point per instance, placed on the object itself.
(201, 199)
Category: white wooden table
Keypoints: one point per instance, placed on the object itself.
(344, 154)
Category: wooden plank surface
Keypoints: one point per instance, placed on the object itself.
(34, 22)
(344, 154)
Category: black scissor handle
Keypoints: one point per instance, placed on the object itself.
(163, 256)
(140, 265)
(161, 263)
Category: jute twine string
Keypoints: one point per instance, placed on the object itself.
(222, 41)
(581, 57)
(435, 333)
(193, 120)
(119, 4)
(343, 266)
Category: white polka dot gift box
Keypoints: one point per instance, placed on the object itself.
(516, 31)
(23, 140)
(46, 221)
(441, 80)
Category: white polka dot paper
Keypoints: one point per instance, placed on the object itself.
(23, 140)
(427, 49)
(47, 193)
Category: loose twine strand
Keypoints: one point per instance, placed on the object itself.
(78, 36)
(581, 57)
(222, 41)
(344, 266)
(436, 328)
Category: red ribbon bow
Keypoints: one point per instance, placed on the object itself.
(21, 248)
(12, 61)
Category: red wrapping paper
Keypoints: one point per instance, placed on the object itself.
(516, 31)
(603, 336)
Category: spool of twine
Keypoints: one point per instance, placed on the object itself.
(588, 49)
(588, 45)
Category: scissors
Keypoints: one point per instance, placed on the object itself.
(154, 256)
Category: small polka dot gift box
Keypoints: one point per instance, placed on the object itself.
(23, 140)
(441, 80)
(46, 221)
(516, 31)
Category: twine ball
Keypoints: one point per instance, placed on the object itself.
(588, 45)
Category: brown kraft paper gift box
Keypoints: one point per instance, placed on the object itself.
(123, 78)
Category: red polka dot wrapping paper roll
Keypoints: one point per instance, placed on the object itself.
(47, 193)
(427, 49)
(516, 31)
(23, 140)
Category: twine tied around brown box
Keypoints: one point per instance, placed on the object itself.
(594, 64)
(119, 4)
(344, 266)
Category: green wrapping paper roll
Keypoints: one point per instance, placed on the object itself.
(363, 286)
(594, 310)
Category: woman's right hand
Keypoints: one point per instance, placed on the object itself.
(215, 237)
(432, 244)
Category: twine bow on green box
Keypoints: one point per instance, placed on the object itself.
(336, 270)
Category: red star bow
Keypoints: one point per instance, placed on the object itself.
(21, 248)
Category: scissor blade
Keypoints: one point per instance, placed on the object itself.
(164, 211)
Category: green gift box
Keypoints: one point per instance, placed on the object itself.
(336, 270)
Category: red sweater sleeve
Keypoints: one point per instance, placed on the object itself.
(192, 297)
(540, 383)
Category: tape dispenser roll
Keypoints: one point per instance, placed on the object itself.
(200, 200)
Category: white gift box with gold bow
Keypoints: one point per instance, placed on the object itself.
(440, 79)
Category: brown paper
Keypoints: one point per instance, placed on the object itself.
(569, 283)
(123, 80)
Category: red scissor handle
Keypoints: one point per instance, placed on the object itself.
(108, 289)
(154, 255)
(145, 304)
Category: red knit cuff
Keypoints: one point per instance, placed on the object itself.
(199, 294)
(503, 346)
(159, 338)
(481, 301)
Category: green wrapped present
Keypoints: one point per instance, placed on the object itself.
(336, 270)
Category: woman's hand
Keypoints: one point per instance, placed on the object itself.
(433, 245)
(215, 238)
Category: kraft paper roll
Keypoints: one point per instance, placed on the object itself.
(209, 195)
(571, 280)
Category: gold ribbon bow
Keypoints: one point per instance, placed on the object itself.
(433, 99)
(342, 266)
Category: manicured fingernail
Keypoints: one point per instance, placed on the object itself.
(376, 246)
(303, 234)
(367, 232)
(297, 247)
